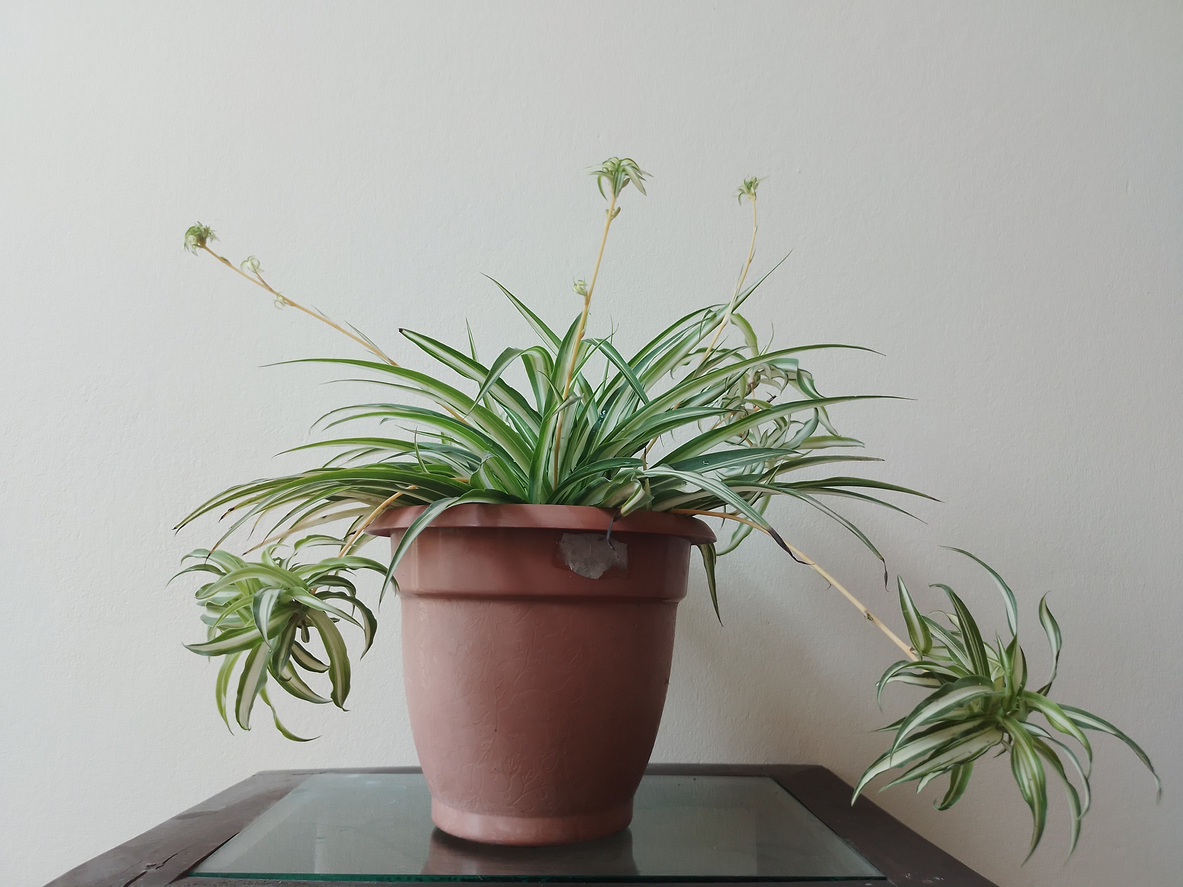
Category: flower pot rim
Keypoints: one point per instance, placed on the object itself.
(548, 517)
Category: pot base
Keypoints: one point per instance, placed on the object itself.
(529, 831)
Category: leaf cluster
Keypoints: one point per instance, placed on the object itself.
(672, 428)
(981, 701)
(275, 615)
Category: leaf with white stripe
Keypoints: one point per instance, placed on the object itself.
(254, 674)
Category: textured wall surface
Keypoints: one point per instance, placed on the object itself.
(988, 193)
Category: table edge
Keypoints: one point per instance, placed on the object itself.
(164, 854)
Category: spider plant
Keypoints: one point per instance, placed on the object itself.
(981, 701)
(704, 419)
(690, 424)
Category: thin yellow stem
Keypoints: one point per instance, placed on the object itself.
(259, 282)
(373, 517)
(726, 319)
(373, 349)
(813, 565)
(611, 214)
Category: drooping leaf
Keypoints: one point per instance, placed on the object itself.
(250, 682)
(968, 628)
(339, 669)
(284, 731)
(707, 550)
(1008, 596)
(1054, 639)
(958, 782)
(1088, 721)
(947, 698)
(222, 686)
(1030, 776)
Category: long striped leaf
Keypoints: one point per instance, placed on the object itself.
(713, 438)
(918, 632)
(1030, 777)
(338, 654)
(1054, 640)
(239, 639)
(262, 606)
(306, 660)
(250, 682)
(545, 333)
(952, 696)
(709, 558)
(1008, 596)
(1074, 806)
(916, 749)
(1059, 719)
(626, 371)
(958, 782)
(291, 682)
(968, 628)
(572, 483)
(717, 488)
(1088, 721)
(1081, 771)
(963, 750)
(505, 395)
(941, 672)
(222, 685)
(284, 731)
(369, 622)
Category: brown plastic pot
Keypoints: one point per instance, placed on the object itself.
(536, 656)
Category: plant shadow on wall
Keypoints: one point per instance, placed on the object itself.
(704, 421)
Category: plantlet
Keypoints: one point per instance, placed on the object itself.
(980, 701)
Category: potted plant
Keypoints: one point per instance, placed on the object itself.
(541, 533)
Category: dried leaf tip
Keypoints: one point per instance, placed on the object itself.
(197, 236)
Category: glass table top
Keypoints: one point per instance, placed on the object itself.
(377, 826)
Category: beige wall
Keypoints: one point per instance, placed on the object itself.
(990, 194)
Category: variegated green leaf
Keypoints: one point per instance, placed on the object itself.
(222, 686)
(1088, 721)
(918, 748)
(707, 550)
(1059, 719)
(918, 632)
(958, 782)
(1074, 806)
(1008, 596)
(1030, 776)
(950, 697)
(339, 670)
(1054, 639)
(971, 637)
(250, 682)
(963, 750)
(284, 731)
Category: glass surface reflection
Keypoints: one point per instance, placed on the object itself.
(377, 826)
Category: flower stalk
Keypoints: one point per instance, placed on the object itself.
(618, 174)
(198, 238)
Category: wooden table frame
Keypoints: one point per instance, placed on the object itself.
(165, 854)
